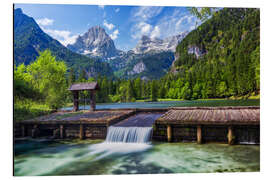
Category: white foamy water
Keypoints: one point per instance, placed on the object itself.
(106, 148)
(123, 140)
(129, 134)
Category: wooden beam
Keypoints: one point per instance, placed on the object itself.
(199, 134)
(61, 131)
(169, 133)
(230, 135)
(35, 131)
(75, 100)
(92, 100)
(81, 132)
(23, 131)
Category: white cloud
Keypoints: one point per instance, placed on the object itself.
(140, 29)
(117, 10)
(109, 26)
(155, 33)
(142, 17)
(101, 6)
(176, 22)
(45, 22)
(147, 12)
(115, 34)
(144, 27)
(63, 36)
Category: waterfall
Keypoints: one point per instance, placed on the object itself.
(129, 134)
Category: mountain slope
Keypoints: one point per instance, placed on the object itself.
(221, 57)
(29, 40)
(96, 43)
(146, 66)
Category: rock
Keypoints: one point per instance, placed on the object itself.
(95, 42)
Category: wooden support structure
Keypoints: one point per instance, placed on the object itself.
(35, 131)
(199, 134)
(61, 131)
(92, 100)
(230, 135)
(169, 133)
(81, 132)
(92, 87)
(75, 100)
(23, 131)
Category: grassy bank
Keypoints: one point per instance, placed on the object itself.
(26, 109)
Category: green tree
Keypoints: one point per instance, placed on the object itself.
(154, 91)
(48, 76)
(71, 77)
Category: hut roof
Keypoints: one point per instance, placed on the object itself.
(84, 86)
(212, 115)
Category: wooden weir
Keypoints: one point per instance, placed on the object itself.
(210, 122)
(202, 124)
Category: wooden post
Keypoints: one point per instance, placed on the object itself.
(23, 131)
(35, 131)
(230, 135)
(81, 132)
(92, 100)
(169, 133)
(61, 131)
(75, 100)
(199, 134)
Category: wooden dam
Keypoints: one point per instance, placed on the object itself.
(232, 125)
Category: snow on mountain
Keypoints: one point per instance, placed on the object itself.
(147, 44)
(95, 42)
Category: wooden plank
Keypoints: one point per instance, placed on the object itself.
(199, 134)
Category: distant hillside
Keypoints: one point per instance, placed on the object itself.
(29, 40)
(150, 59)
(222, 56)
(146, 66)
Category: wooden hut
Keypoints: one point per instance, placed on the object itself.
(92, 87)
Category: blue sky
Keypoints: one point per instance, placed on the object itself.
(125, 24)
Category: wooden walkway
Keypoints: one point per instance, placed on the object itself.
(212, 115)
(95, 117)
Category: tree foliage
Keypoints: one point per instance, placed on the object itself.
(46, 77)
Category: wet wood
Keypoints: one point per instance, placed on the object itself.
(230, 135)
(169, 133)
(23, 131)
(35, 131)
(199, 134)
(75, 100)
(61, 131)
(81, 132)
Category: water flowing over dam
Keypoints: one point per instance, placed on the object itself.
(135, 129)
(129, 134)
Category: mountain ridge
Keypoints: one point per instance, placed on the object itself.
(29, 40)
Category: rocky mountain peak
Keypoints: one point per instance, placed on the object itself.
(95, 42)
(147, 44)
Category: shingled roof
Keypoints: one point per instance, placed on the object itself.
(212, 115)
(84, 86)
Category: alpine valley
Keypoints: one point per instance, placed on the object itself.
(94, 52)
(150, 59)
(220, 58)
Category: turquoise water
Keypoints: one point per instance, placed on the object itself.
(165, 104)
(88, 157)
